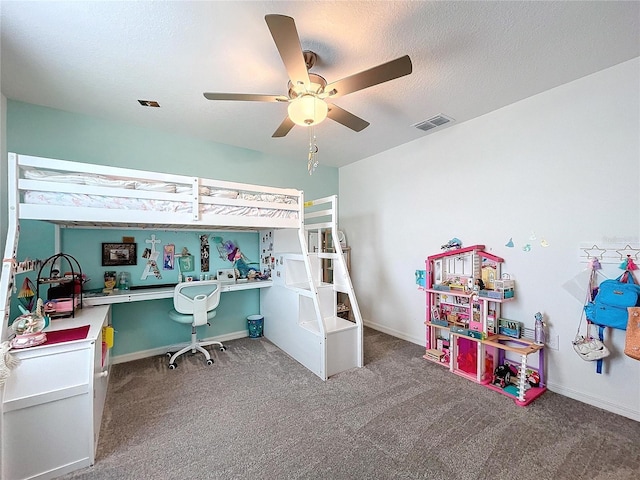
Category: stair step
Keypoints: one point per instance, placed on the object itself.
(328, 255)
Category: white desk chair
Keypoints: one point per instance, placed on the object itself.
(195, 303)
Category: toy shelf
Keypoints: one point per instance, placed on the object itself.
(522, 392)
(526, 346)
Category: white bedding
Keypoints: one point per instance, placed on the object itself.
(98, 201)
(109, 181)
(66, 184)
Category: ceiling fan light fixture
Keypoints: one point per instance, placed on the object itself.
(307, 110)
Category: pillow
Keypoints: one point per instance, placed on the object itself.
(156, 186)
(223, 193)
(52, 176)
(78, 178)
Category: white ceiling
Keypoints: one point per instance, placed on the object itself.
(469, 58)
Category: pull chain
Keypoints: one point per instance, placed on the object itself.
(312, 164)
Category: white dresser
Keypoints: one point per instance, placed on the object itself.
(52, 402)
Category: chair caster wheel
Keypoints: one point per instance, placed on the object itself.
(222, 349)
(172, 366)
(209, 362)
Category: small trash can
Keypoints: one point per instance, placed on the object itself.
(256, 325)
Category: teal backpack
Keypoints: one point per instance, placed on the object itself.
(609, 305)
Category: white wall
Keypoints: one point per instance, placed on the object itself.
(563, 166)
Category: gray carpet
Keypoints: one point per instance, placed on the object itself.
(258, 414)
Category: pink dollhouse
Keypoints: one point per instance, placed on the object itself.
(465, 289)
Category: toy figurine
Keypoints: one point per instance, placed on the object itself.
(539, 329)
(451, 244)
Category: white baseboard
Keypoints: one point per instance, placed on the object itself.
(394, 333)
(596, 402)
(128, 357)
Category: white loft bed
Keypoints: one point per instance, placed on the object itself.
(301, 309)
(74, 194)
(79, 194)
(83, 195)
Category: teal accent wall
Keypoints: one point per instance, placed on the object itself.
(46, 132)
(145, 325)
(86, 247)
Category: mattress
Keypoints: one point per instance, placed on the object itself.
(142, 204)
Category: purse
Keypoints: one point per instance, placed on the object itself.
(632, 338)
(589, 348)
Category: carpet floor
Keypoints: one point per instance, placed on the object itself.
(258, 414)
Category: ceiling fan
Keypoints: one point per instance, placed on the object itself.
(308, 93)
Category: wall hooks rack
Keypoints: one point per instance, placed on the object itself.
(609, 253)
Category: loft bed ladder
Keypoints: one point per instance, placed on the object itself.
(331, 271)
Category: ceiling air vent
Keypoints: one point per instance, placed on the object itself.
(433, 122)
(149, 103)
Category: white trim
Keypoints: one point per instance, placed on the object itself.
(394, 333)
(594, 401)
(129, 357)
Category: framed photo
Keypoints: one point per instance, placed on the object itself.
(185, 262)
(168, 256)
(226, 275)
(118, 254)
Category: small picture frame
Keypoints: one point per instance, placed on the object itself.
(168, 257)
(114, 254)
(226, 275)
(186, 263)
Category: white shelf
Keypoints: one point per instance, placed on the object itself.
(327, 255)
(332, 325)
(311, 326)
(291, 256)
(301, 288)
(338, 324)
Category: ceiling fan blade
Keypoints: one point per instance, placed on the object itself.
(380, 74)
(347, 119)
(247, 97)
(284, 33)
(284, 128)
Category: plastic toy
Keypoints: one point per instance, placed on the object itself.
(502, 375)
(533, 378)
(451, 244)
(231, 252)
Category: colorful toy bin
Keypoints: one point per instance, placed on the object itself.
(255, 324)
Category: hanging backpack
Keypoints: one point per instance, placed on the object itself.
(609, 306)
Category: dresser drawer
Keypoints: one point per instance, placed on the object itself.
(49, 370)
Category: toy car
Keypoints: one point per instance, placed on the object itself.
(502, 375)
(453, 243)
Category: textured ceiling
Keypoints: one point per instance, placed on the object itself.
(469, 58)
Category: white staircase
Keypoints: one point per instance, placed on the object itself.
(300, 309)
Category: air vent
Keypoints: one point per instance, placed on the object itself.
(433, 122)
(149, 103)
